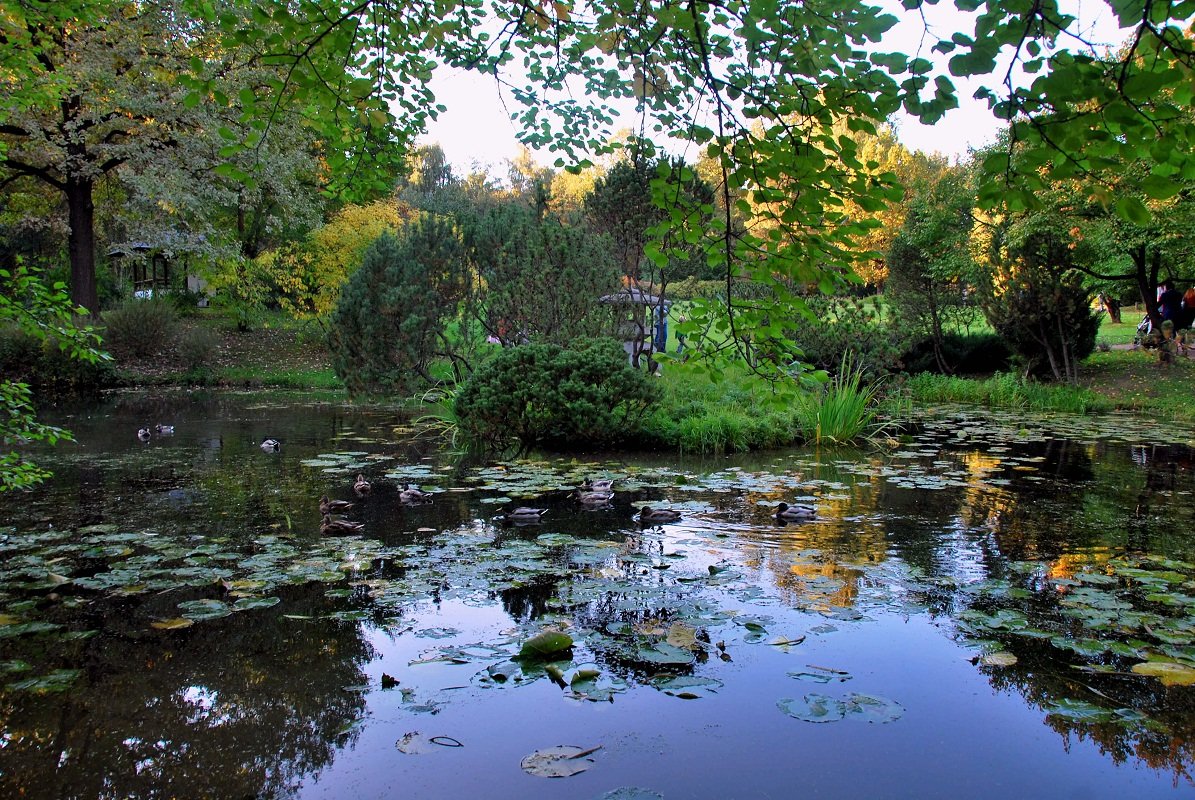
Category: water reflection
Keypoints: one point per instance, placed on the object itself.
(974, 539)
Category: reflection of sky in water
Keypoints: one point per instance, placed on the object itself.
(874, 584)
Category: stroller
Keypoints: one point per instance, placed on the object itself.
(1144, 336)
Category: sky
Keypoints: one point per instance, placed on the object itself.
(477, 128)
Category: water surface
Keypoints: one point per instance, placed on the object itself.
(961, 619)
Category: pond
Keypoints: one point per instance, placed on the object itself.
(995, 606)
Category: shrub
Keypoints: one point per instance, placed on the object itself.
(197, 348)
(139, 328)
(969, 354)
(849, 326)
(545, 394)
(47, 369)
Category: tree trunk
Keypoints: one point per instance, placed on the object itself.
(81, 211)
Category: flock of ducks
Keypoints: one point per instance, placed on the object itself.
(591, 494)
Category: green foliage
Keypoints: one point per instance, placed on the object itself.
(392, 318)
(1041, 309)
(197, 348)
(44, 312)
(1004, 390)
(967, 353)
(544, 394)
(843, 411)
(48, 370)
(540, 280)
(140, 328)
(850, 325)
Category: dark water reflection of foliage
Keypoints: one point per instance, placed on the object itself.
(172, 623)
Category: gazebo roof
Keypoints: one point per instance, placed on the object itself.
(634, 296)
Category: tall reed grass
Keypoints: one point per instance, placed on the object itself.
(1004, 390)
(844, 411)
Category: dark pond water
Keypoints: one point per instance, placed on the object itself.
(996, 607)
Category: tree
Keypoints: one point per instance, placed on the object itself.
(929, 265)
(44, 311)
(539, 280)
(392, 319)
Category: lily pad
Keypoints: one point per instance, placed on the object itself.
(548, 644)
(562, 761)
(1170, 673)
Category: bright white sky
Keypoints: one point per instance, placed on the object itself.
(476, 127)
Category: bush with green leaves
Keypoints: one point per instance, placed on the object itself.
(966, 353)
(140, 328)
(1041, 309)
(853, 326)
(392, 320)
(48, 370)
(197, 348)
(543, 394)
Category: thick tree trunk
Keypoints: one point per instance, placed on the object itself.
(81, 210)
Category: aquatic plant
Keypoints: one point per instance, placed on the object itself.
(844, 411)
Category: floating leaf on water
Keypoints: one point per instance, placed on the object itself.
(246, 603)
(1000, 659)
(545, 645)
(172, 624)
(681, 635)
(687, 686)
(200, 610)
(664, 653)
(57, 681)
(813, 708)
(562, 761)
(631, 793)
(822, 708)
(415, 743)
(1170, 673)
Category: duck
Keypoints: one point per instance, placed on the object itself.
(327, 506)
(361, 487)
(164, 430)
(339, 527)
(795, 513)
(594, 498)
(143, 434)
(524, 514)
(271, 445)
(413, 494)
(603, 485)
(649, 514)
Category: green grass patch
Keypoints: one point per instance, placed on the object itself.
(1136, 380)
(1003, 390)
(283, 377)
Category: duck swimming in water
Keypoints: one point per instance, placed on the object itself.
(648, 514)
(339, 527)
(603, 485)
(271, 445)
(524, 514)
(327, 506)
(413, 495)
(797, 513)
(143, 434)
(361, 487)
(595, 498)
(164, 430)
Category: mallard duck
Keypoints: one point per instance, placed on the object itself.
(648, 514)
(143, 434)
(413, 494)
(327, 506)
(339, 527)
(786, 512)
(164, 430)
(594, 498)
(361, 487)
(271, 445)
(524, 514)
(603, 485)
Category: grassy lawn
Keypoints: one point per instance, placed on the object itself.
(1135, 380)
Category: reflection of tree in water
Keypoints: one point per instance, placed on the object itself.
(1165, 741)
(245, 706)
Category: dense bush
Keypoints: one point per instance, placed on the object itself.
(393, 316)
(544, 394)
(968, 354)
(48, 370)
(139, 328)
(197, 348)
(850, 326)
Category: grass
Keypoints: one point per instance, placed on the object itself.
(1003, 390)
(1136, 381)
(844, 412)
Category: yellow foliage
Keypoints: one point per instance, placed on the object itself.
(308, 276)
